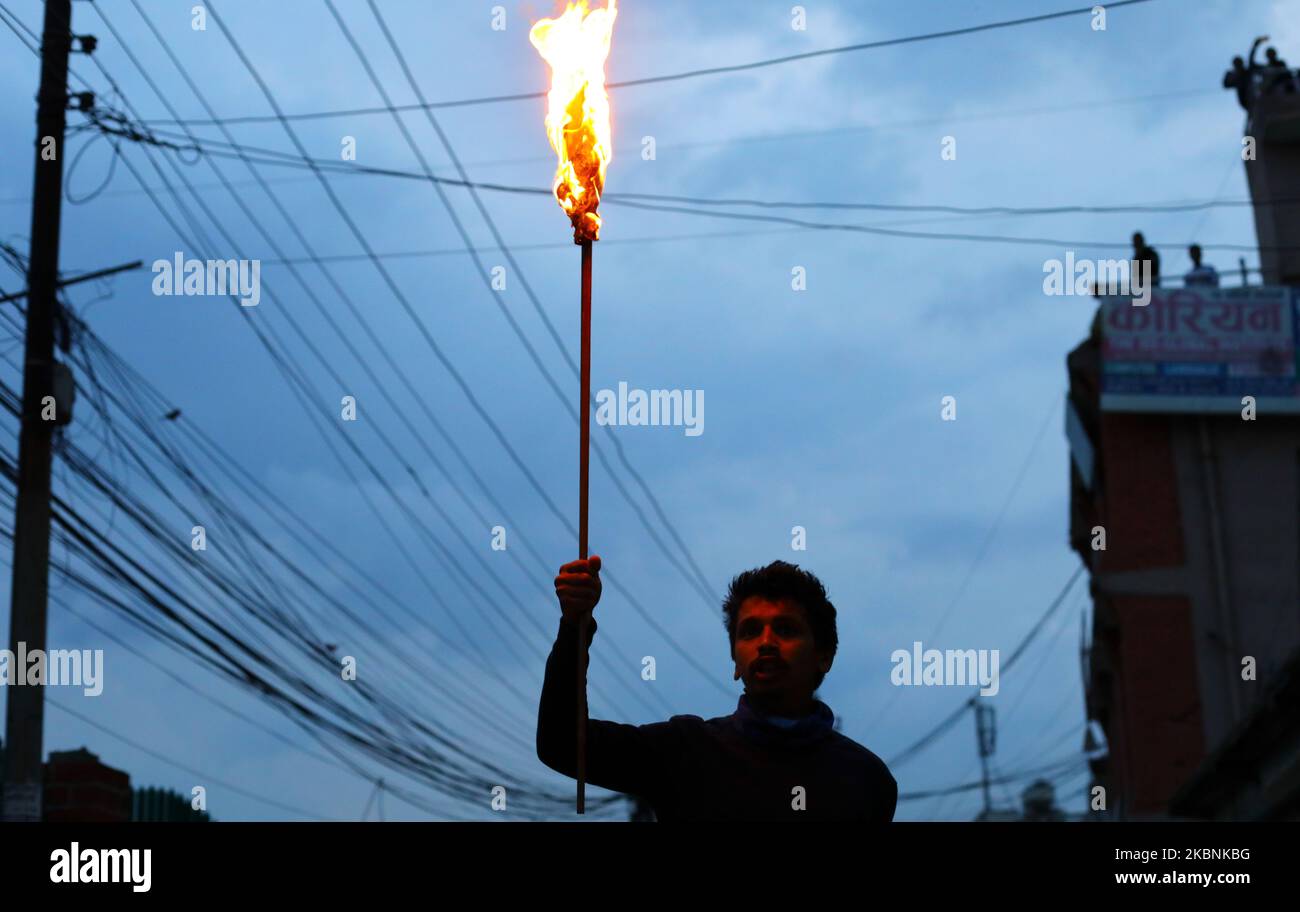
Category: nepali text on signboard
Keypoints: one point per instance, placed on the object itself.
(1201, 350)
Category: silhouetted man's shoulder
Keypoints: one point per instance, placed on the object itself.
(722, 774)
(868, 759)
(874, 769)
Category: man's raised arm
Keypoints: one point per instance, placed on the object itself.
(623, 758)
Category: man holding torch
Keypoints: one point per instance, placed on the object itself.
(777, 757)
(575, 45)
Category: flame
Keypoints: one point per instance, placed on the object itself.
(577, 118)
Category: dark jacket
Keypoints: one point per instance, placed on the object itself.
(736, 767)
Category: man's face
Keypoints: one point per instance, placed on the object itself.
(776, 656)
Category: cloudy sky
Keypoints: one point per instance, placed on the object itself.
(823, 405)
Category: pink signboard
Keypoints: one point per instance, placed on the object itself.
(1201, 350)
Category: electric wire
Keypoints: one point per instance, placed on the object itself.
(674, 77)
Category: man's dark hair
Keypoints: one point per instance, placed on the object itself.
(780, 581)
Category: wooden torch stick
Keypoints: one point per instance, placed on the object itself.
(584, 447)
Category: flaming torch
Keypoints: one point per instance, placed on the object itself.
(575, 44)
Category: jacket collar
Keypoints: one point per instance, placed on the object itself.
(759, 729)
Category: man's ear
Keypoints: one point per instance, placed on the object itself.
(824, 662)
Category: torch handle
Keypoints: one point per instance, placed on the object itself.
(585, 437)
(583, 461)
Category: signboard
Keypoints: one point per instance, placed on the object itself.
(1201, 350)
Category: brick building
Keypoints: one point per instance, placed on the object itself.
(80, 789)
(1198, 583)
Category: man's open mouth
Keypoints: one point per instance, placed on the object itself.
(766, 668)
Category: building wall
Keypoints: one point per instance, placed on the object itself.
(80, 789)
(1275, 175)
(1201, 568)
(1140, 497)
(1154, 721)
(1160, 711)
(1250, 470)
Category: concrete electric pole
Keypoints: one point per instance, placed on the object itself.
(25, 708)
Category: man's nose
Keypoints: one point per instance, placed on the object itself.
(768, 641)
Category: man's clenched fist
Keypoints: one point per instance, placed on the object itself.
(578, 587)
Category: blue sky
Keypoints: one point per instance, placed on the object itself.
(822, 406)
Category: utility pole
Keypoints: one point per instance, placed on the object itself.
(25, 708)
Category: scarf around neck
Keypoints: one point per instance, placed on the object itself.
(760, 729)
